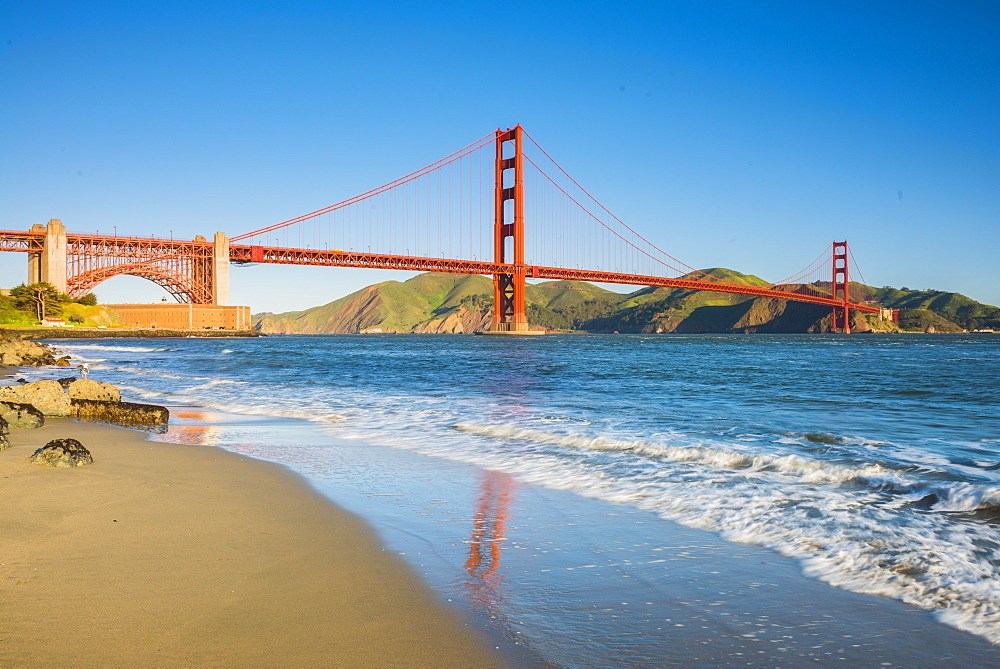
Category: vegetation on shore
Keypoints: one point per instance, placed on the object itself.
(450, 303)
(29, 305)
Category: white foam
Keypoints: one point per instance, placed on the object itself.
(843, 536)
(123, 349)
(798, 467)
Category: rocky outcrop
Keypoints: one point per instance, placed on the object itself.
(4, 431)
(459, 321)
(63, 361)
(125, 413)
(21, 416)
(17, 352)
(47, 396)
(66, 381)
(62, 453)
(87, 389)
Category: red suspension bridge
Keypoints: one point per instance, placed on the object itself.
(500, 206)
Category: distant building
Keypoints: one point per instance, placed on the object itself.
(183, 316)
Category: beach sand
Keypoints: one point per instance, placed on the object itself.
(164, 554)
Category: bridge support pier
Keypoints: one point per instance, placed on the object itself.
(220, 269)
(50, 263)
(841, 289)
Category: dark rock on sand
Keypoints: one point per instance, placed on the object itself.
(4, 431)
(47, 396)
(86, 389)
(21, 416)
(62, 453)
(129, 413)
(66, 381)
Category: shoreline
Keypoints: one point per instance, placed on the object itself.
(123, 333)
(176, 554)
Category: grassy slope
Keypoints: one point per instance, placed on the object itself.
(91, 315)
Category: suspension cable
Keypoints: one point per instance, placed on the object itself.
(610, 213)
(810, 268)
(447, 160)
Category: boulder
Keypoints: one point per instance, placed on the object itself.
(86, 389)
(4, 431)
(127, 413)
(47, 396)
(16, 352)
(21, 416)
(63, 361)
(62, 453)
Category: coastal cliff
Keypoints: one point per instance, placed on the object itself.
(461, 304)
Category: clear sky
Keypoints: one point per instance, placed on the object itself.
(745, 135)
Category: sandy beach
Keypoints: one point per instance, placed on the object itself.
(168, 555)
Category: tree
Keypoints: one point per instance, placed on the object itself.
(41, 298)
(89, 299)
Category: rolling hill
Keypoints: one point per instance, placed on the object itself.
(435, 303)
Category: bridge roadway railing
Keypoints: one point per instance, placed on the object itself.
(289, 256)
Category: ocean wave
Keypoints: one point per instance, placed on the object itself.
(135, 371)
(838, 535)
(242, 406)
(87, 360)
(796, 466)
(964, 497)
(120, 349)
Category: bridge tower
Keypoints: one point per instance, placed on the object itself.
(841, 289)
(508, 289)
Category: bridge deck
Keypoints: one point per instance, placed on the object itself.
(22, 241)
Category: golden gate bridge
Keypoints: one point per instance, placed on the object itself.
(500, 206)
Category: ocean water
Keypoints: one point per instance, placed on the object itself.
(638, 499)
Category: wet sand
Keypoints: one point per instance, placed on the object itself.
(165, 555)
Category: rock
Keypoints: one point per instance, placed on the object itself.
(129, 413)
(47, 396)
(21, 416)
(17, 352)
(86, 389)
(63, 361)
(4, 431)
(62, 453)
(66, 381)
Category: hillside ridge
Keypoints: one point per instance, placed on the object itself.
(437, 303)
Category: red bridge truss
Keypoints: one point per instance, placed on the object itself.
(466, 214)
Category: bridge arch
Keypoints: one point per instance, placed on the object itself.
(174, 282)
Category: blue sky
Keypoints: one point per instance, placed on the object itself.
(738, 134)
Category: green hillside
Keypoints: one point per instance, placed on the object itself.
(456, 304)
(930, 306)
